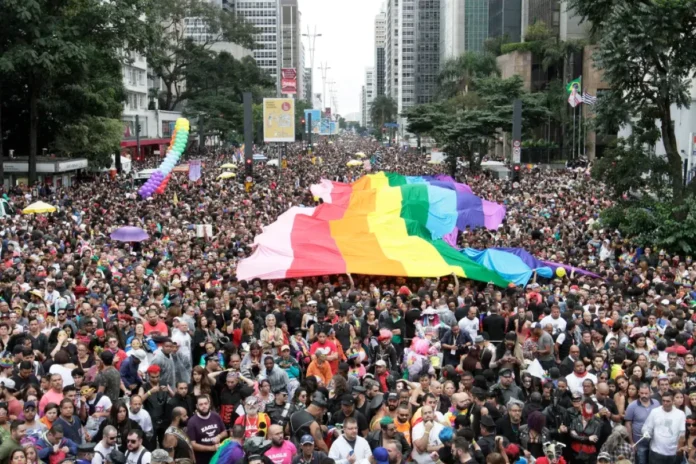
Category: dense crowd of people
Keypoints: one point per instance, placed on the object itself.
(153, 352)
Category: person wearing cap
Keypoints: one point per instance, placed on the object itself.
(159, 456)
(34, 427)
(380, 455)
(307, 454)
(306, 421)
(129, 370)
(348, 410)
(507, 387)
(388, 433)
(349, 447)
(604, 458)
(291, 367)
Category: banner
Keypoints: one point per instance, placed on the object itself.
(288, 81)
(194, 170)
(278, 120)
(316, 121)
(333, 128)
(325, 126)
(327, 112)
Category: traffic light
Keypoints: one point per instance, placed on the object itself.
(516, 172)
(249, 167)
(303, 121)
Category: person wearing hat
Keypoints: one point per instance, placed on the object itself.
(307, 454)
(129, 370)
(291, 367)
(160, 456)
(380, 455)
(387, 433)
(280, 410)
(487, 438)
(348, 410)
(306, 422)
(507, 387)
(154, 396)
(85, 453)
(34, 427)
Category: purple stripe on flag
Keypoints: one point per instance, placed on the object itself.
(451, 183)
(451, 238)
(493, 214)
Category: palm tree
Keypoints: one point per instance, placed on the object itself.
(458, 73)
(382, 110)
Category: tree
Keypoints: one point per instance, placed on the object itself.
(216, 83)
(646, 50)
(458, 73)
(170, 52)
(382, 110)
(50, 40)
(466, 124)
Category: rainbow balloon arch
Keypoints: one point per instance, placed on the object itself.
(159, 179)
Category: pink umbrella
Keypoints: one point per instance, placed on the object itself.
(129, 234)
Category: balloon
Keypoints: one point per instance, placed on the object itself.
(560, 272)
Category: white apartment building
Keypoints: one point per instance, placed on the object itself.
(266, 16)
(368, 96)
(452, 24)
(400, 53)
(380, 44)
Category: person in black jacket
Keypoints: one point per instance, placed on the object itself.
(386, 433)
(509, 425)
(494, 325)
(182, 399)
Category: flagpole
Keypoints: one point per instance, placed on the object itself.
(581, 141)
(573, 150)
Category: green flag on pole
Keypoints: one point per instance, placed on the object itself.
(575, 84)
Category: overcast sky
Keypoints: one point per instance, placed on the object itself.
(346, 45)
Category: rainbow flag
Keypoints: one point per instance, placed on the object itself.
(366, 228)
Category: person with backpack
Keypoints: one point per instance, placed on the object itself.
(98, 408)
(105, 446)
(137, 453)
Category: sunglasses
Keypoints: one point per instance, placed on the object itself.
(132, 441)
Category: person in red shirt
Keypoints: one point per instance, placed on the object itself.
(119, 354)
(329, 349)
(154, 325)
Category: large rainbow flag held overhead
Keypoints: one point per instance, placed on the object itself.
(383, 224)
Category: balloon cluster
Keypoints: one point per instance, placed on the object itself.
(158, 180)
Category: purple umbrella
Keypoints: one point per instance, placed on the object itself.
(129, 234)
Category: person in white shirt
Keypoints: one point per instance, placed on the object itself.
(349, 447)
(105, 446)
(425, 436)
(137, 454)
(141, 416)
(470, 323)
(666, 428)
(555, 319)
(578, 376)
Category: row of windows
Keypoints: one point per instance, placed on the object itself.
(262, 54)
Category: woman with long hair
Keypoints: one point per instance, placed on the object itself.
(264, 394)
(85, 359)
(252, 362)
(621, 395)
(32, 455)
(248, 335)
(680, 402)
(200, 383)
(201, 336)
(118, 417)
(299, 399)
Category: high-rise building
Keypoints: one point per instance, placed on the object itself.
(452, 23)
(380, 44)
(412, 51)
(291, 41)
(475, 24)
(307, 87)
(265, 15)
(363, 106)
(546, 11)
(369, 95)
(505, 19)
(427, 49)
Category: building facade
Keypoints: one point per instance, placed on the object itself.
(291, 41)
(505, 19)
(266, 16)
(427, 50)
(546, 11)
(452, 23)
(475, 24)
(369, 95)
(380, 44)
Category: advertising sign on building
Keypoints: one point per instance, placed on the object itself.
(278, 120)
(288, 81)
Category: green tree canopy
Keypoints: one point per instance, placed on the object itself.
(458, 73)
(383, 110)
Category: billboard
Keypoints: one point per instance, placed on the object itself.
(278, 120)
(288, 81)
(316, 121)
(328, 127)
